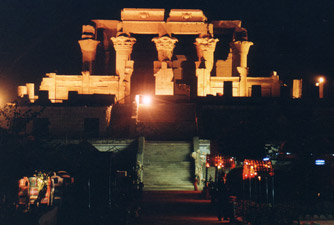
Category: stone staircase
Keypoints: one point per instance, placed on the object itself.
(168, 166)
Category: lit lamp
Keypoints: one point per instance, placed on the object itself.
(143, 100)
(320, 84)
(147, 100)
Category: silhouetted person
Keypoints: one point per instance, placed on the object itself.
(224, 207)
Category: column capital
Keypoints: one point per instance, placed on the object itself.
(88, 50)
(123, 42)
(165, 43)
(206, 43)
(165, 46)
(241, 47)
(88, 45)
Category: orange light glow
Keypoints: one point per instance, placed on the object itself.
(321, 80)
(147, 100)
(137, 99)
(143, 99)
(252, 168)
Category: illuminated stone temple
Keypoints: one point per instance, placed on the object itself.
(197, 75)
(218, 65)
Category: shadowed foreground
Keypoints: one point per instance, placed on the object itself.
(176, 208)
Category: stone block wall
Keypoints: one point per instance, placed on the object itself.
(69, 121)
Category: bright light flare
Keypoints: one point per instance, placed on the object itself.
(137, 99)
(143, 99)
(321, 80)
(147, 100)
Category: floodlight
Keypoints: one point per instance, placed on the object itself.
(146, 100)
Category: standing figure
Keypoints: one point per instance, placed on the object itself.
(224, 207)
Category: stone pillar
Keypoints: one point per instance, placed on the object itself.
(240, 51)
(21, 91)
(276, 85)
(163, 71)
(205, 51)
(165, 47)
(297, 88)
(243, 71)
(31, 91)
(88, 50)
(124, 66)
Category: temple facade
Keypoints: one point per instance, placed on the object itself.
(218, 68)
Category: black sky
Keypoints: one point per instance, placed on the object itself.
(293, 37)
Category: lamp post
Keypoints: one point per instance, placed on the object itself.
(320, 84)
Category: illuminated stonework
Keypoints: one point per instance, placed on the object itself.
(107, 46)
(205, 49)
(240, 51)
(165, 46)
(88, 50)
(163, 72)
(124, 66)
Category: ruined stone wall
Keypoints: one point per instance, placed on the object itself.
(68, 121)
(59, 85)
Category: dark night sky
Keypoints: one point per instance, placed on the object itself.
(40, 36)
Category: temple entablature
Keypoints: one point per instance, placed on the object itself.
(88, 32)
(186, 15)
(142, 14)
(239, 33)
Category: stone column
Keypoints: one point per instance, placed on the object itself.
(165, 47)
(240, 51)
(163, 70)
(205, 51)
(276, 85)
(88, 50)
(243, 71)
(124, 66)
(22, 91)
(297, 88)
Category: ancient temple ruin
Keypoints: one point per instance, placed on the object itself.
(219, 66)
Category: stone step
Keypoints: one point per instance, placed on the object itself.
(167, 166)
(168, 188)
